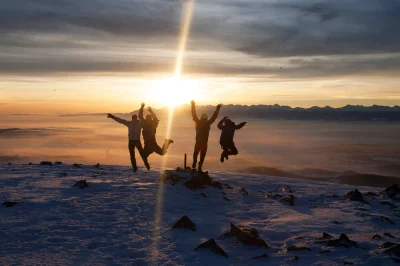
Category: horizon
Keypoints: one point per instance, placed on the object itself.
(58, 56)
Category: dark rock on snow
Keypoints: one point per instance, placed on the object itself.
(289, 199)
(325, 236)
(77, 165)
(388, 245)
(247, 235)
(377, 237)
(392, 191)
(81, 184)
(395, 250)
(296, 258)
(388, 235)
(286, 189)
(342, 241)
(213, 246)
(296, 248)
(371, 195)
(204, 195)
(227, 186)
(199, 181)
(58, 163)
(225, 198)
(355, 195)
(244, 191)
(185, 223)
(9, 204)
(217, 184)
(46, 163)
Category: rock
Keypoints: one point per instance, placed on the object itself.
(388, 203)
(77, 165)
(386, 219)
(213, 246)
(377, 237)
(388, 235)
(63, 174)
(396, 260)
(325, 236)
(335, 222)
(185, 223)
(227, 186)
(81, 184)
(58, 163)
(325, 251)
(371, 195)
(170, 176)
(392, 191)
(97, 165)
(9, 163)
(198, 181)
(343, 241)
(30, 163)
(46, 163)
(289, 199)
(244, 191)
(296, 248)
(223, 193)
(225, 198)
(296, 258)
(247, 235)
(204, 195)
(356, 195)
(9, 204)
(348, 263)
(265, 255)
(388, 245)
(286, 189)
(217, 184)
(395, 250)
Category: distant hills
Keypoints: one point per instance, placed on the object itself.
(281, 112)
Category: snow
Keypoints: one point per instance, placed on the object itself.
(124, 218)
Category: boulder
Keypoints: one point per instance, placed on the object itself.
(199, 181)
(97, 165)
(342, 241)
(377, 237)
(296, 248)
(289, 200)
(244, 191)
(247, 235)
(213, 246)
(77, 165)
(216, 184)
(46, 163)
(392, 191)
(30, 163)
(81, 184)
(185, 223)
(355, 195)
(9, 204)
(395, 250)
(325, 236)
(58, 163)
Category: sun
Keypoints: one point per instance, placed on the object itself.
(175, 91)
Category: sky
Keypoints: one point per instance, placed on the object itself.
(66, 56)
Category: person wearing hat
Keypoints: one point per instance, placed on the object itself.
(134, 130)
(150, 125)
(228, 128)
(203, 126)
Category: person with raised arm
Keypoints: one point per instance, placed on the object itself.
(150, 125)
(203, 126)
(228, 128)
(134, 130)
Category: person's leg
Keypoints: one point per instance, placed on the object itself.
(232, 149)
(203, 153)
(195, 155)
(148, 149)
(224, 153)
(162, 151)
(138, 145)
(132, 154)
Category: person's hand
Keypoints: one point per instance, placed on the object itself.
(149, 108)
(109, 115)
(142, 106)
(193, 102)
(219, 106)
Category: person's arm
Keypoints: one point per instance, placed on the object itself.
(153, 115)
(194, 115)
(117, 119)
(240, 125)
(215, 115)
(141, 113)
(220, 124)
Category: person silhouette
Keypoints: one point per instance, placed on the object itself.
(228, 128)
(203, 126)
(150, 125)
(134, 130)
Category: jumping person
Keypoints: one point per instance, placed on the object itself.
(150, 125)
(226, 140)
(203, 127)
(134, 130)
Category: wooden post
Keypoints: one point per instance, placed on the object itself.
(184, 165)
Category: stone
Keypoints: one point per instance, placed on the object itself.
(355, 195)
(296, 258)
(371, 195)
(213, 246)
(77, 165)
(81, 184)
(386, 219)
(198, 181)
(9, 204)
(377, 237)
(216, 184)
(97, 165)
(247, 236)
(30, 163)
(296, 248)
(244, 191)
(227, 186)
(392, 191)
(225, 198)
(388, 245)
(58, 163)
(286, 189)
(185, 223)
(46, 163)
(325, 236)
(388, 235)
(342, 241)
(289, 199)
(204, 195)
(395, 250)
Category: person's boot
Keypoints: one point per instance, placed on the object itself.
(194, 164)
(135, 168)
(222, 157)
(146, 163)
(200, 167)
(169, 141)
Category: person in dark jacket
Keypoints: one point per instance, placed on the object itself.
(203, 126)
(134, 130)
(226, 140)
(150, 125)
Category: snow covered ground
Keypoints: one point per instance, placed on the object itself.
(125, 219)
